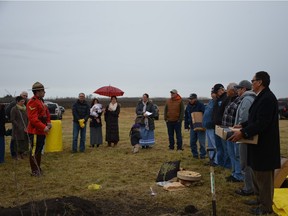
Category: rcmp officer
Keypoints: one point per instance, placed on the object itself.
(38, 126)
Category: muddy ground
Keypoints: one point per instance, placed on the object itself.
(70, 206)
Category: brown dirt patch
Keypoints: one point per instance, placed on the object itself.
(71, 206)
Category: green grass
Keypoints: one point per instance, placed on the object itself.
(123, 176)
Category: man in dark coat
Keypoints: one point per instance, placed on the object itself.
(81, 112)
(264, 157)
(194, 105)
(217, 114)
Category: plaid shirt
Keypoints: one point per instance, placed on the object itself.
(230, 112)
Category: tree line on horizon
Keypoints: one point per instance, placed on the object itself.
(67, 102)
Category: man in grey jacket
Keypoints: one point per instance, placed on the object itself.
(247, 97)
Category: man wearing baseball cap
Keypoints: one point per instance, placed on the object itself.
(194, 106)
(173, 115)
(38, 126)
(217, 114)
(247, 97)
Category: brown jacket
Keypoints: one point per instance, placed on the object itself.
(174, 109)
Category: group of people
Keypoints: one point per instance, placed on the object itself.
(30, 124)
(82, 112)
(144, 123)
(16, 113)
(252, 109)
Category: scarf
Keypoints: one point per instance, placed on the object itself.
(112, 107)
(22, 108)
(146, 122)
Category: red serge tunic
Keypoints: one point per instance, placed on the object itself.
(38, 116)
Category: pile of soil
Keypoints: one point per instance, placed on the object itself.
(58, 206)
(71, 206)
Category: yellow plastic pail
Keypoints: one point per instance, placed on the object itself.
(54, 137)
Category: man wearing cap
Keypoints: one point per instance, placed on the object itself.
(210, 127)
(218, 109)
(247, 97)
(264, 157)
(173, 115)
(38, 126)
(228, 120)
(195, 106)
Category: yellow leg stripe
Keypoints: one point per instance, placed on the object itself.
(34, 144)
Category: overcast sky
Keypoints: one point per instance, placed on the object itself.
(153, 47)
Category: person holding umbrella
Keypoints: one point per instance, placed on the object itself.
(111, 118)
(111, 114)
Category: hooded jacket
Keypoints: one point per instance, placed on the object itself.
(174, 109)
(244, 106)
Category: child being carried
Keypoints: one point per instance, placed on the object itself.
(135, 136)
(96, 109)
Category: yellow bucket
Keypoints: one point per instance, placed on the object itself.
(54, 137)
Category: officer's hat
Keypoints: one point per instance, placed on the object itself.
(37, 86)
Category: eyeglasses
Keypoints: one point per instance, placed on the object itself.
(253, 80)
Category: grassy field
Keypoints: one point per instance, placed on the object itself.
(125, 178)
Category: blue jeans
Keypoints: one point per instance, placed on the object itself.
(171, 128)
(200, 136)
(2, 149)
(76, 130)
(226, 159)
(233, 153)
(210, 134)
(222, 156)
(220, 151)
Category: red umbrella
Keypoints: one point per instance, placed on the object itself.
(109, 91)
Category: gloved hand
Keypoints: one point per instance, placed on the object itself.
(81, 123)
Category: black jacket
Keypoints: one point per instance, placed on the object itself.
(135, 136)
(218, 109)
(263, 120)
(80, 111)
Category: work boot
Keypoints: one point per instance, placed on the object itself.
(34, 166)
